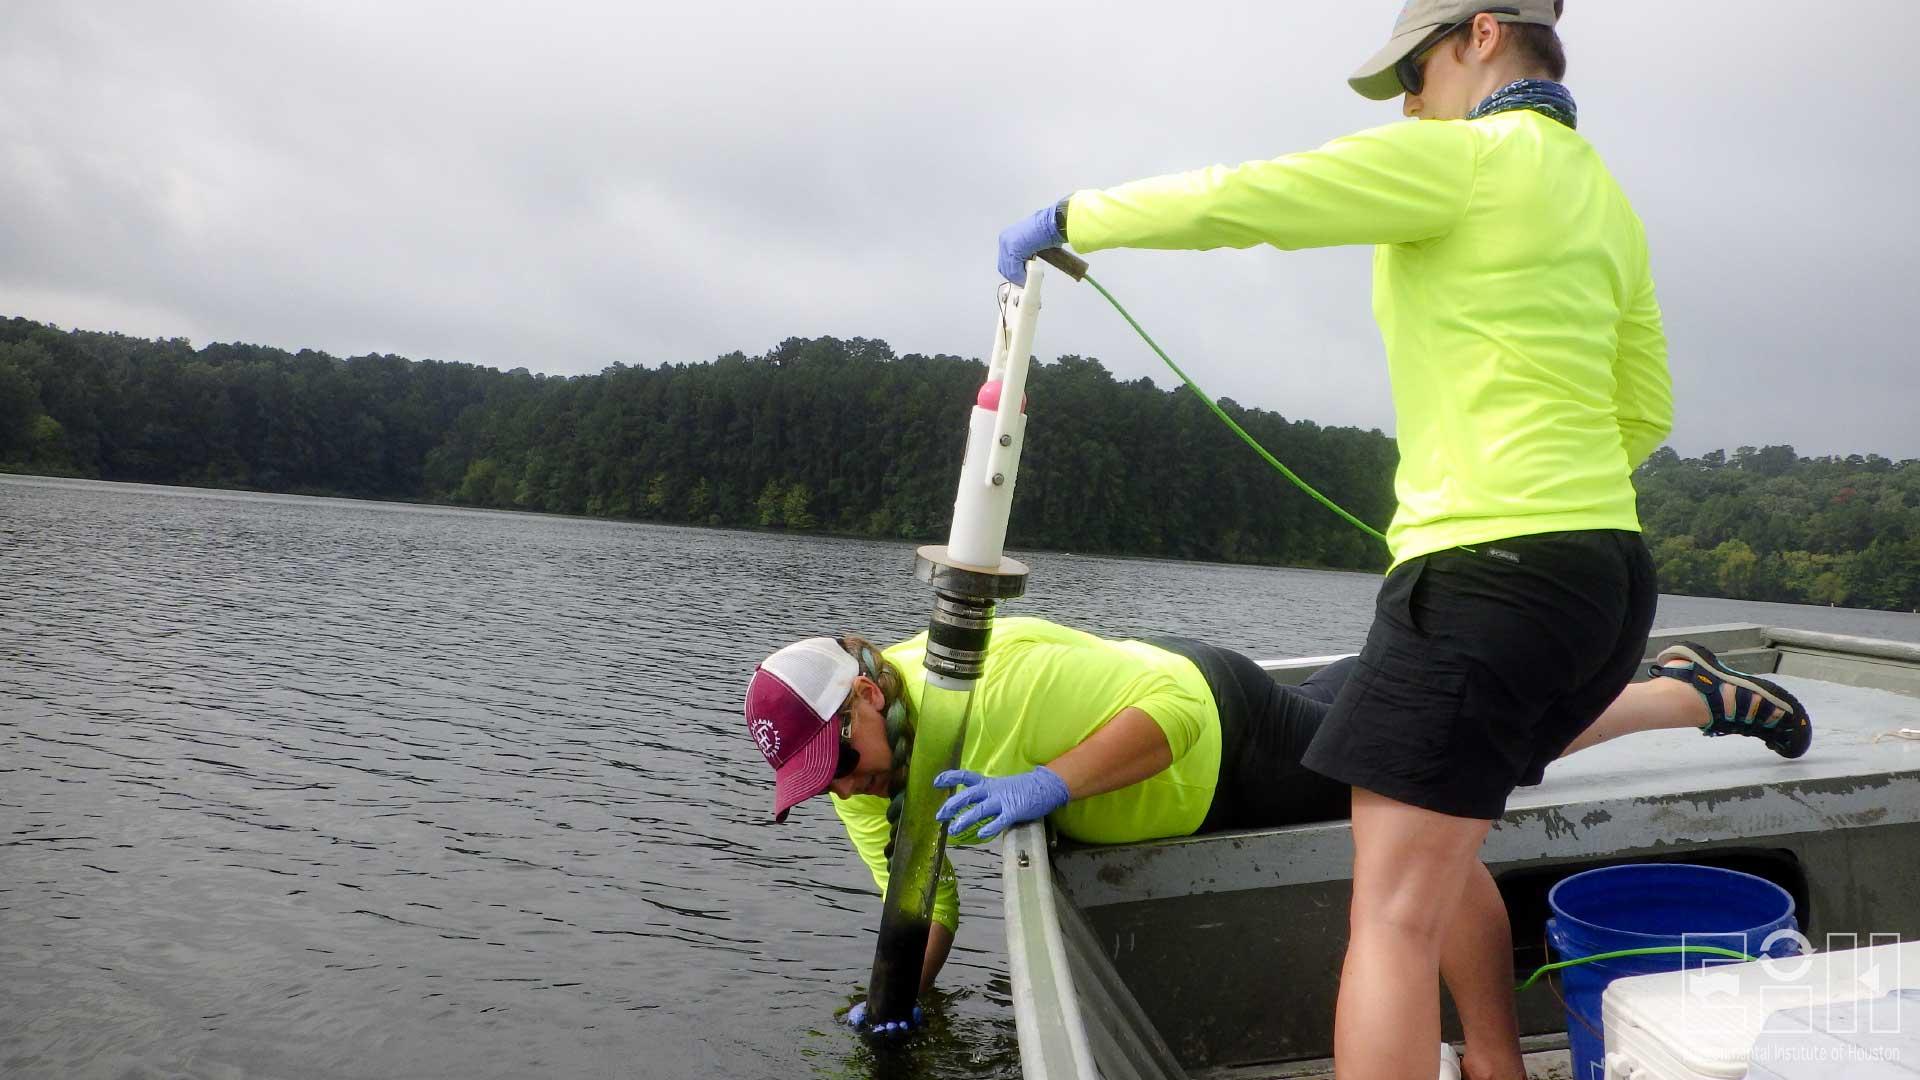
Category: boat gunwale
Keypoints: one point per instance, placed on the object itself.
(1031, 875)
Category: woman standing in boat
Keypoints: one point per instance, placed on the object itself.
(1529, 373)
(1119, 741)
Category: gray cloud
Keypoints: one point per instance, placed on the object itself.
(563, 186)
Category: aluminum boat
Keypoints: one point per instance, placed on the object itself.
(1218, 956)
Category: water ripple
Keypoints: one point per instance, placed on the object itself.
(307, 787)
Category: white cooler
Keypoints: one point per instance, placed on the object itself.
(1852, 1014)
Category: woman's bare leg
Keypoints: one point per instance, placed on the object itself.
(1411, 868)
(1476, 956)
(1646, 706)
(1476, 960)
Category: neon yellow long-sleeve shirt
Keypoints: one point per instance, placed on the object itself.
(1512, 290)
(1046, 687)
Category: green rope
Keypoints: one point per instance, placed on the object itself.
(1228, 420)
(1710, 950)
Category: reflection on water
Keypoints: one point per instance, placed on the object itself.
(308, 787)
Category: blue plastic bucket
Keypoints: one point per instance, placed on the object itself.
(1644, 905)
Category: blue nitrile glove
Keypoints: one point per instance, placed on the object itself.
(857, 1018)
(1008, 800)
(1020, 240)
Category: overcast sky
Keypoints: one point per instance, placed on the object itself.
(563, 185)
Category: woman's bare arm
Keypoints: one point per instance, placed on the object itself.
(939, 944)
(1125, 750)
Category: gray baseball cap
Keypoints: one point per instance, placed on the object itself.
(1422, 19)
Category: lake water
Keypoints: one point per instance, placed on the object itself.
(297, 787)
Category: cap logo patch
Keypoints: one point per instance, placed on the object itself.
(768, 737)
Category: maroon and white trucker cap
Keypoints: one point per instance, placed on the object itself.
(791, 703)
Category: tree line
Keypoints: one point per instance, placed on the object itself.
(1766, 524)
(847, 437)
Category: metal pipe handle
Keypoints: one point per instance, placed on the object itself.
(1064, 261)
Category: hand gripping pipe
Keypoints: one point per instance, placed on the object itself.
(969, 575)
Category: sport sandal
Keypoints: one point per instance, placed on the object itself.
(1761, 707)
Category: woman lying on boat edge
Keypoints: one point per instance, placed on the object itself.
(1120, 741)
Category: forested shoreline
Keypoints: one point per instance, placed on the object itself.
(846, 436)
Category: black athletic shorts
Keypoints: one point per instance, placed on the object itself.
(1265, 729)
(1482, 665)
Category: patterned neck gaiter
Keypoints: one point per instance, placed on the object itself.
(1543, 96)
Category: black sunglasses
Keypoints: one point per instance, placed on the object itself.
(1412, 73)
(849, 757)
